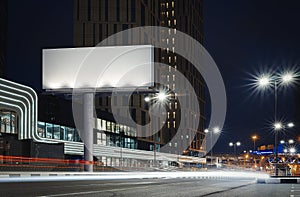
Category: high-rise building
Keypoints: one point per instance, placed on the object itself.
(3, 35)
(95, 20)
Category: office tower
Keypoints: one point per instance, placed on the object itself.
(95, 20)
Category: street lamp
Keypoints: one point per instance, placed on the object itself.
(159, 98)
(291, 141)
(215, 130)
(234, 146)
(265, 81)
(292, 150)
(254, 138)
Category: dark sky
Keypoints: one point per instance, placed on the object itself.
(242, 36)
(33, 25)
(246, 37)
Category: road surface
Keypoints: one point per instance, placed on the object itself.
(150, 187)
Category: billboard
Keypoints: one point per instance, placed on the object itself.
(98, 67)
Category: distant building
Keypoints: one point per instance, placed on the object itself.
(3, 35)
(266, 147)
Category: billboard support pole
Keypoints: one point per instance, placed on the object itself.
(88, 120)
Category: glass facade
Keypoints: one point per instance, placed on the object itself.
(108, 133)
(118, 135)
(59, 132)
(8, 122)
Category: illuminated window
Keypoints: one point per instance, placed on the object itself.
(175, 105)
(173, 86)
(168, 78)
(174, 21)
(169, 23)
(172, 4)
(167, 40)
(170, 105)
(174, 124)
(168, 115)
(174, 114)
(173, 13)
(170, 59)
(168, 124)
(173, 77)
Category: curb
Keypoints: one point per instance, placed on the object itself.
(284, 180)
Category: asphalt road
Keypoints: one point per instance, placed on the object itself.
(150, 187)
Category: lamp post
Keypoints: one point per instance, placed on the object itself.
(161, 97)
(266, 81)
(215, 130)
(234, 147)
(254, 138)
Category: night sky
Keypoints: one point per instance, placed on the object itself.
(243, 37)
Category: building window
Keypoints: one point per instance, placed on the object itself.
(100, 33)
(56, 132)
(118, 10)
(133, 10)
(49, 130)
(89, 10)
(143, 15)
(41, 129)
(106, 10)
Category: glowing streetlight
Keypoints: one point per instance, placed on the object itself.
(278, 125)
(290, 125)
(254, 138)
(287, 78)
(234, 146)
(214, 130)
(162, 96)
(264, 81)
(147, 99)
(267, 80)
(291, 141)
(292, 150)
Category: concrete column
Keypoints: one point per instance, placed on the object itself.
(88, 124)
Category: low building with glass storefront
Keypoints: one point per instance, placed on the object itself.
(54, 136)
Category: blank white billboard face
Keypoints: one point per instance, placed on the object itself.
(98, 67)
